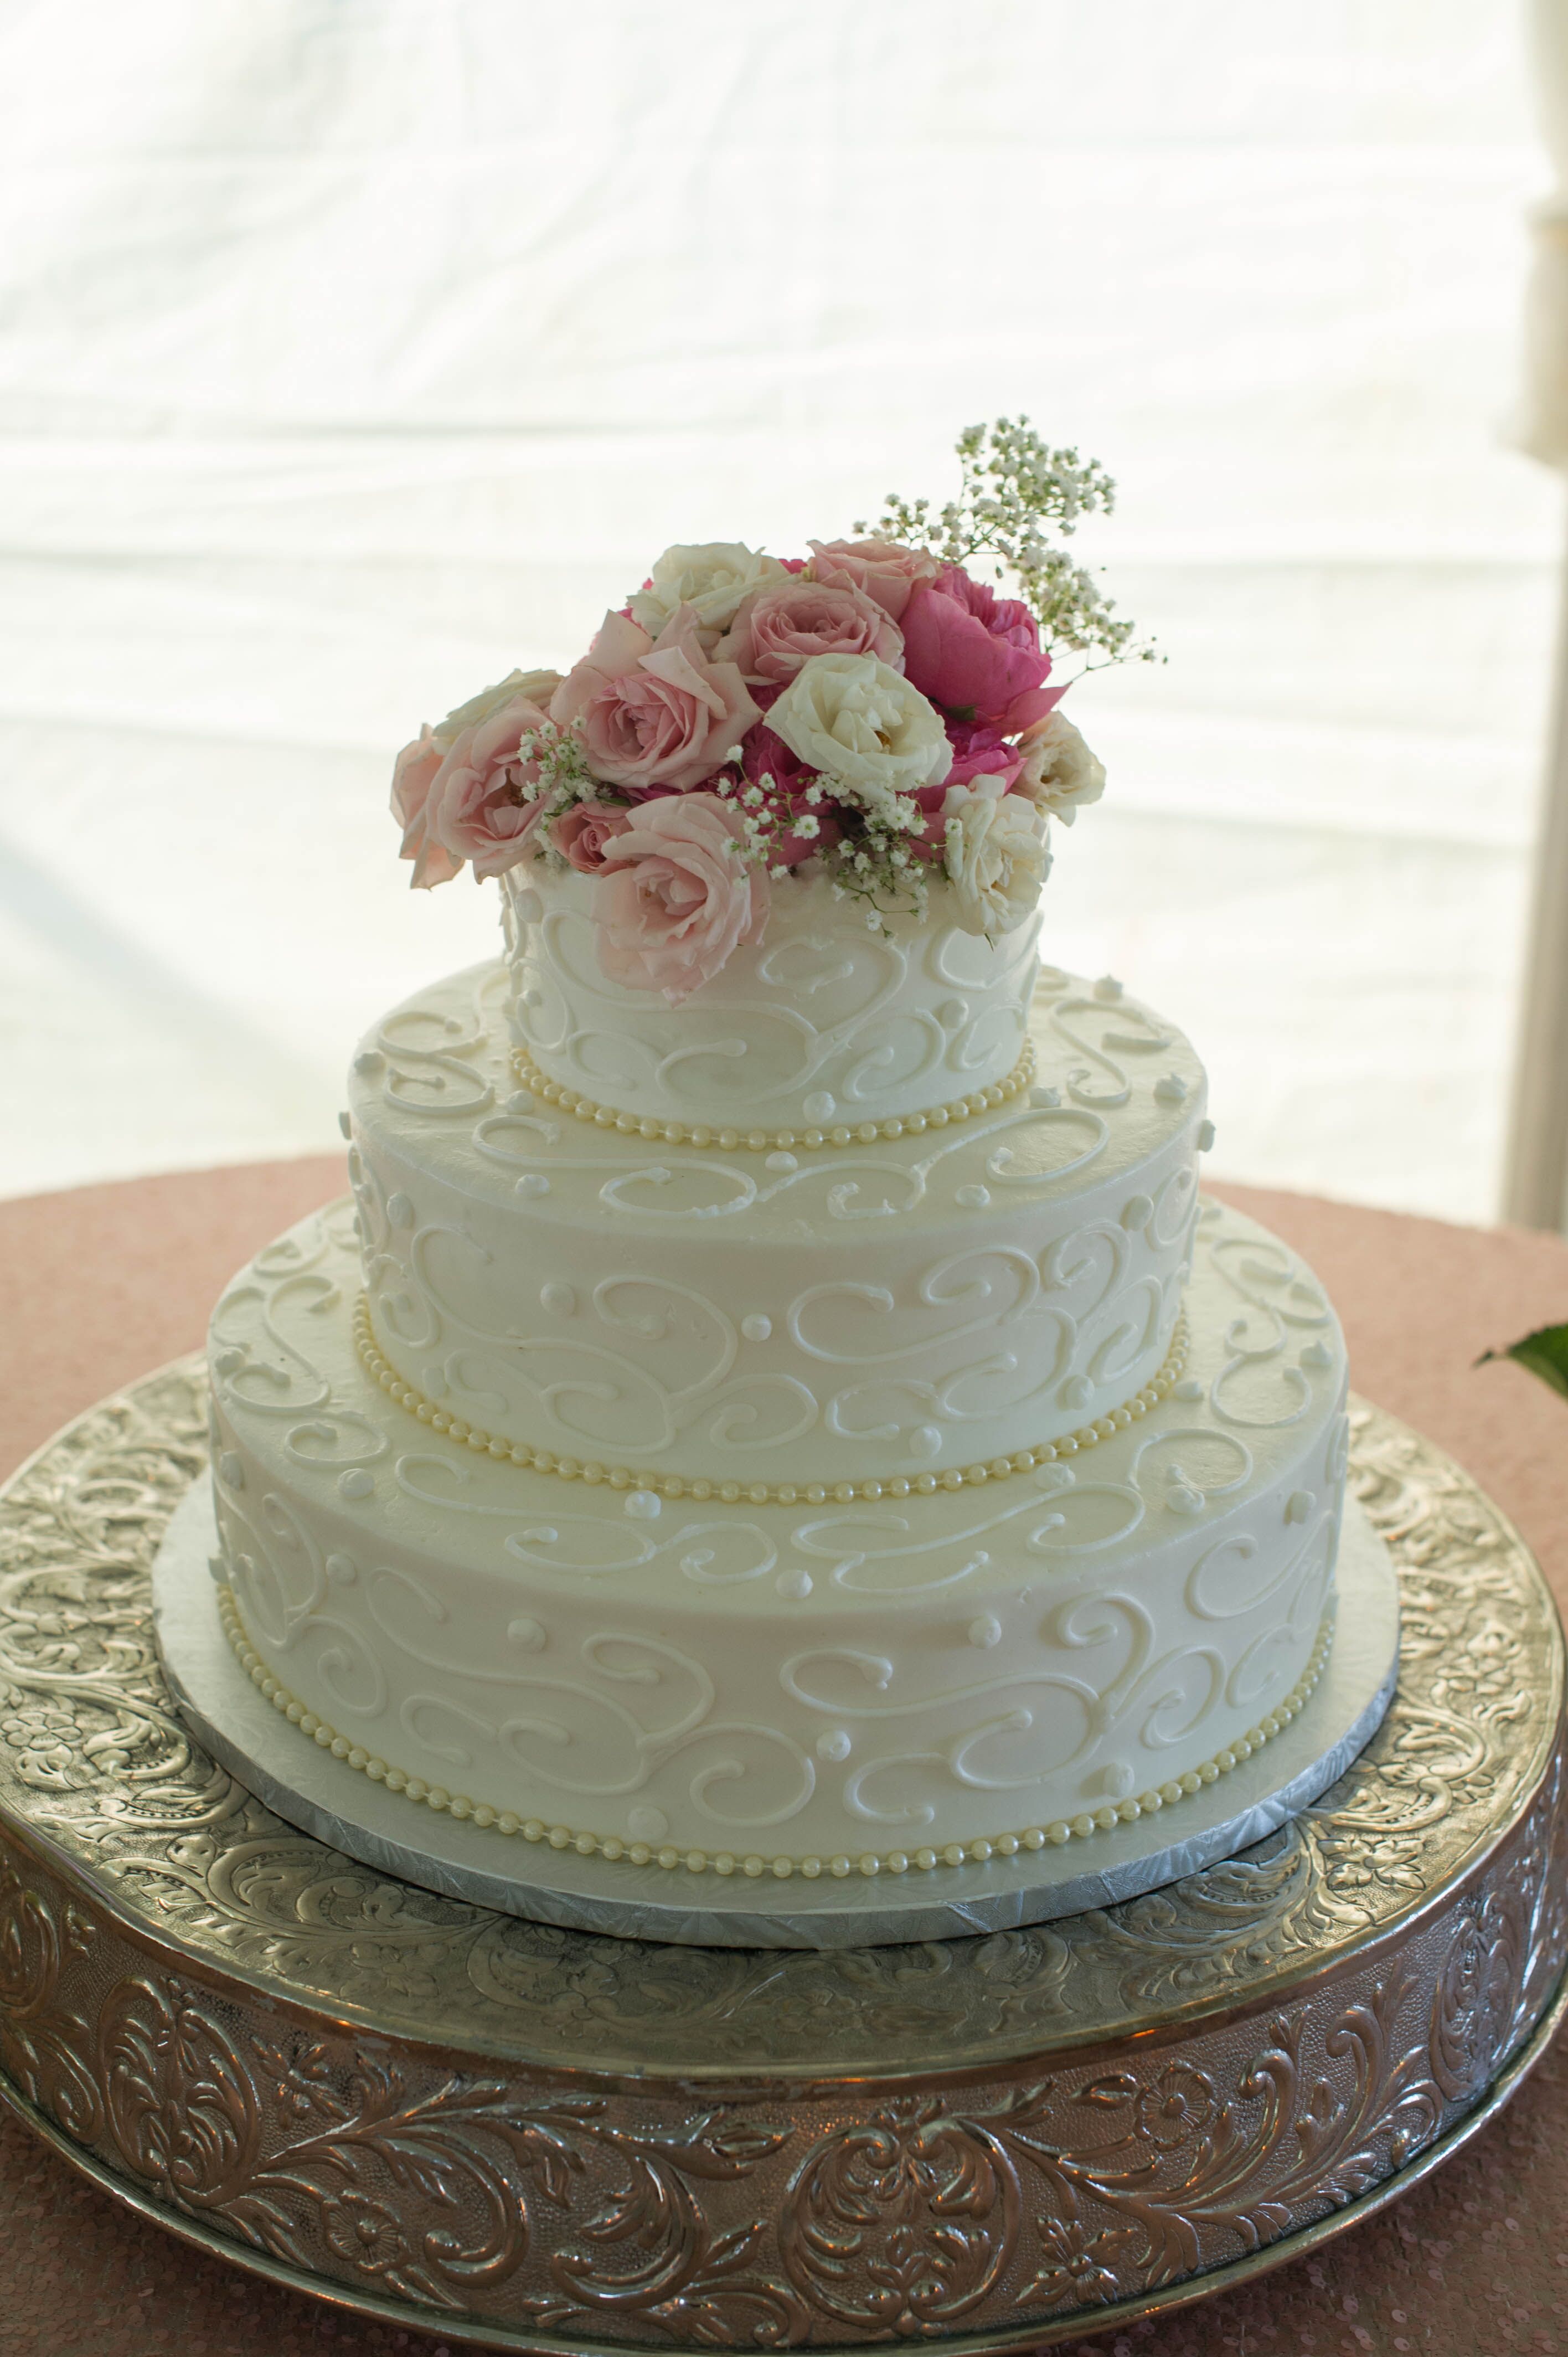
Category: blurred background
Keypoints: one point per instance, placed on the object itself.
(352, 352)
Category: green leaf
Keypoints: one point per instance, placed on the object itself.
(1544, 1352)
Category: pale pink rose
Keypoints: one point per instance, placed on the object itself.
(415, 805)
(674, 897)
(413, 773)
(479, 807)
(976, 654)
(883, 568)
(653, 712)
(785, 623)
(581, 835)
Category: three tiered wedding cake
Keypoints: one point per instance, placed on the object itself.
(780, 1406)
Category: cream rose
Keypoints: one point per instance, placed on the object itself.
(711, 577)
(859, 720)
(993, 849)
(518, 686)
(1060, 773)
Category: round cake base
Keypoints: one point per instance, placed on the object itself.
(520, 2134)
(336, 1803)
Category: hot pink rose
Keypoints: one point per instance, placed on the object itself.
(785, 623)
(581, 834)
(882, 568)
(976, 654)
(674, 897)
(763, 754)
(478, 808)
(413, 773)
(653, 712)
(980, 750)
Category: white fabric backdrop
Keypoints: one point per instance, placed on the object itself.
(351, 351)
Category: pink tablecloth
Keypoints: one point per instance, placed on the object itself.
(98, 1286)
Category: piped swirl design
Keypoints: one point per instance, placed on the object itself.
(761, 1494)
(671, 1858)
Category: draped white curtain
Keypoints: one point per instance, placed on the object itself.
(352, 350)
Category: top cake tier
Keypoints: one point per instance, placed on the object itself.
(839, 1019)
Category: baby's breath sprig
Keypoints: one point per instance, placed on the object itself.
(1014, 492)
(867, 847)
(875, 859)
(562, 779)
(760, 805)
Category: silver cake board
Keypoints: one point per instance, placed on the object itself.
(307, 1787)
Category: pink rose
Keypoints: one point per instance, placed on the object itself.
(765, 757)
(478, 807)
(581, 834)
(423, 788)
(882, 568)
(974, 653)
(653, 712)
(413, 773)
(980, 750)
(674, 897)
(783, 624)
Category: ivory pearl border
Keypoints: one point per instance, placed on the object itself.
(811, 1137)
(704, 1487)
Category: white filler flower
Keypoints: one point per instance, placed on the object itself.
(859, 721)
(995, 857)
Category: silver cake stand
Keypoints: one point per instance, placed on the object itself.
(534, 2136)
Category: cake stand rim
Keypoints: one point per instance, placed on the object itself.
(1047, 2333)
(1001, 2053)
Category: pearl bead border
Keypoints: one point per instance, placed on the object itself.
(671, 1858)
(763, 1141)
(704, 1487)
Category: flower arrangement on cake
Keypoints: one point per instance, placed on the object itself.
(874, 711)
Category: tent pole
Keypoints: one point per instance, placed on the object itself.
(1535, 1175)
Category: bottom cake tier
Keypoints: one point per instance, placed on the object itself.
(892, 1682)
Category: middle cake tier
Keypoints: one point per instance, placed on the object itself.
(543, 1281)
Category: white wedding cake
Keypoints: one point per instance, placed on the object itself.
(778, 1404)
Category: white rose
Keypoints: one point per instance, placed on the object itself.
(1059, 772)
(712, 579)
(538, 686)
(861, 721)
(994, 853)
